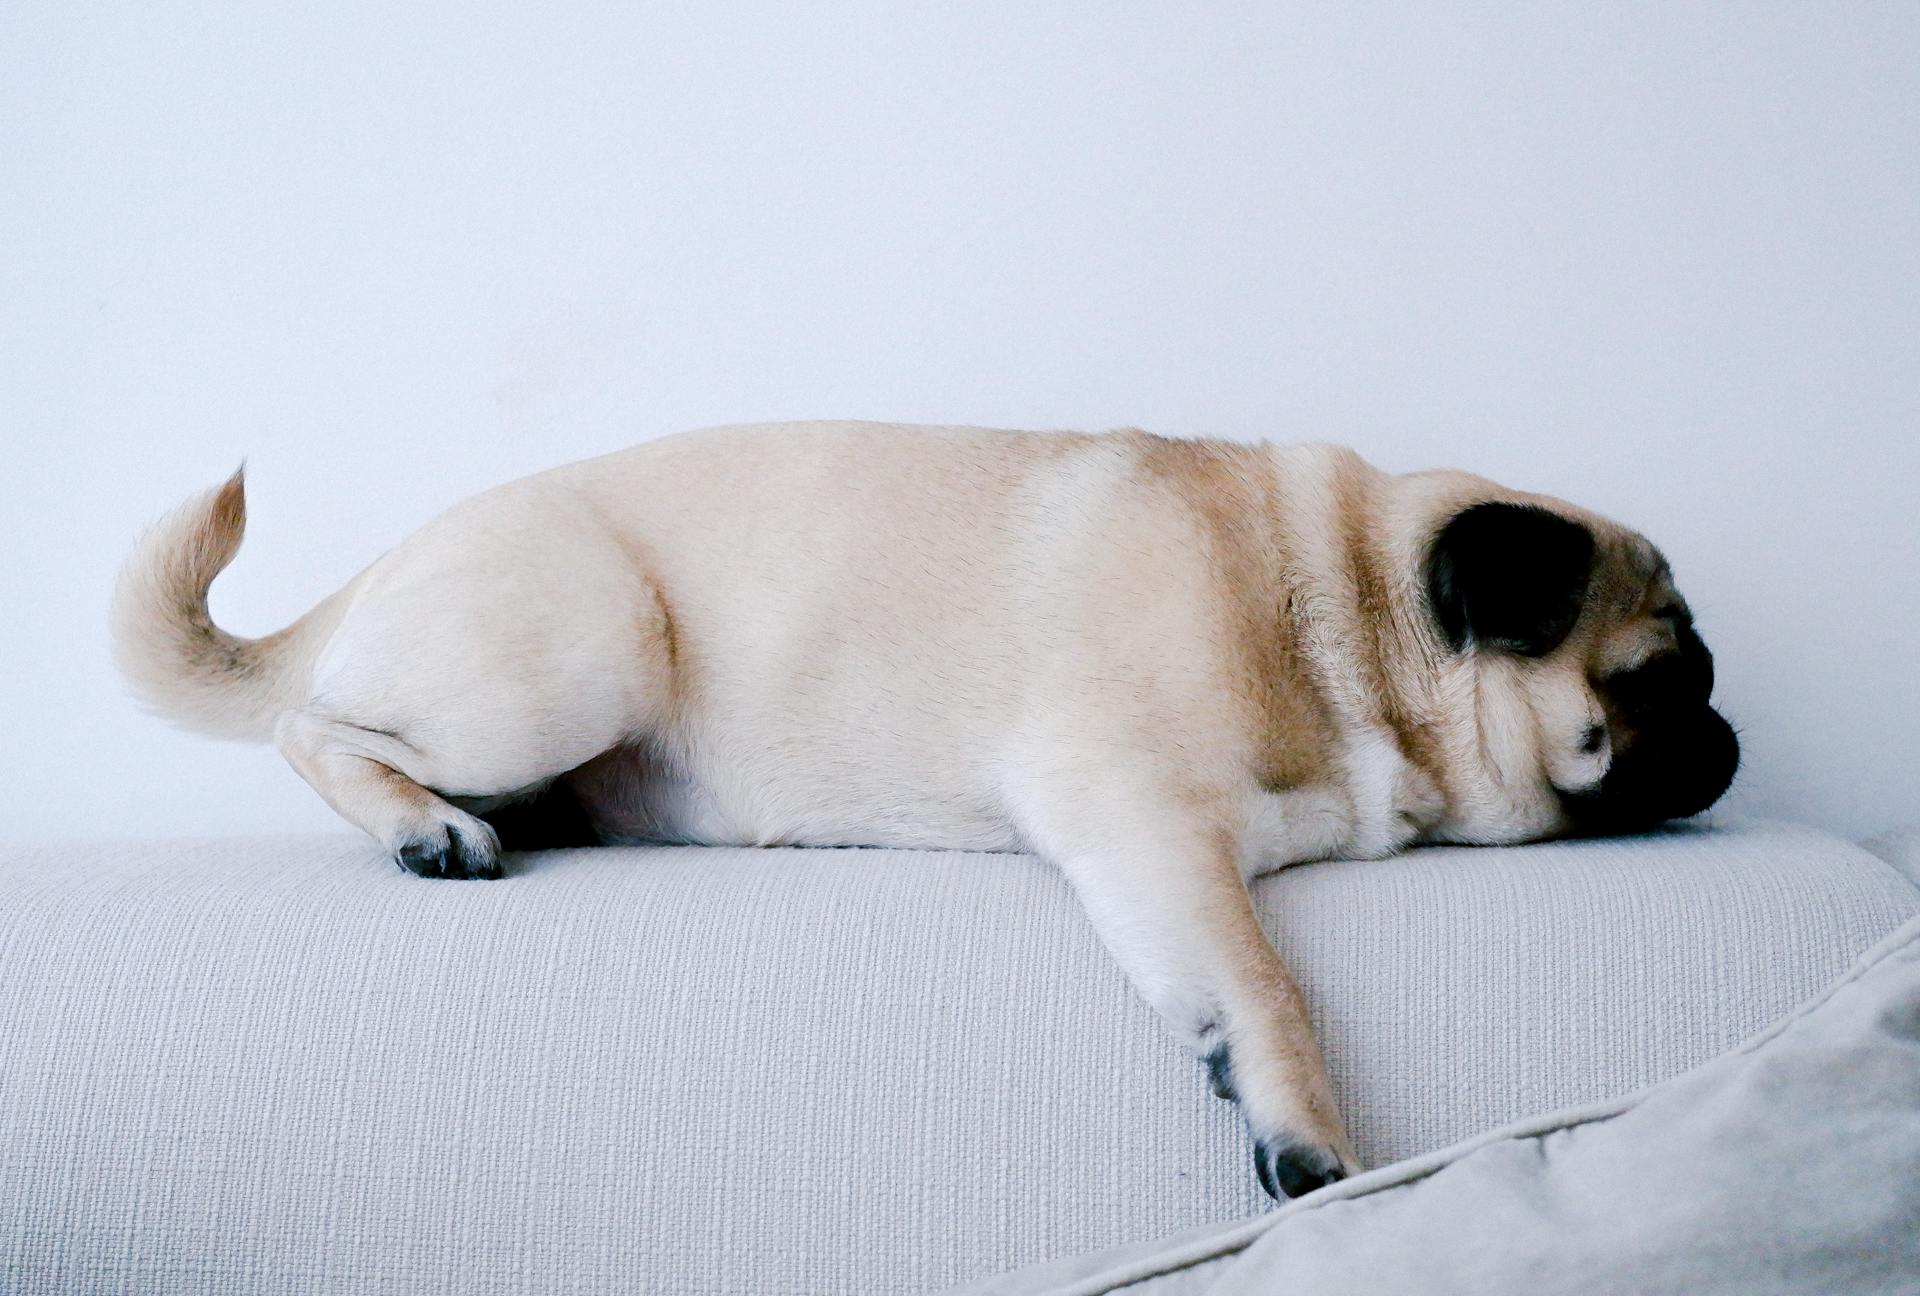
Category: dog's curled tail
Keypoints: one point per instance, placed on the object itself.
(182, 665)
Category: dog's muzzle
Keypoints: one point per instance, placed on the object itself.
(1675, 768)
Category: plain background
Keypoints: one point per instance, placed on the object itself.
(1662, 259)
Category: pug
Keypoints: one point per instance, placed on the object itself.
(1167, 666)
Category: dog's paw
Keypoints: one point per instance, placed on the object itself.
(1288, 1164)
(1291, 1168)
(451, 853)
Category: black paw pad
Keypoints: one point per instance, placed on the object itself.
(1288, 1168)
(451, 857)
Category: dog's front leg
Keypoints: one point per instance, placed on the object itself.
(1161, 880)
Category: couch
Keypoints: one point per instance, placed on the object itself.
(267, 1065)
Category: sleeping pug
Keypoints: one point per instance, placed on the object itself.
(1167, 666)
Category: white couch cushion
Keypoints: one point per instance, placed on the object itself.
(280, 1065)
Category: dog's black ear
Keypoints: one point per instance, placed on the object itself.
(1509, 576)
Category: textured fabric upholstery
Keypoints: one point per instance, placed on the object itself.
(1783, 1167)
(280, 1065)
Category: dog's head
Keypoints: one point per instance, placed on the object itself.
(1583, 618)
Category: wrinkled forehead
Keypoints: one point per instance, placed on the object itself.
(1639, 607)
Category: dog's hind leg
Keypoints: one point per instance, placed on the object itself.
(508, 643)
(356, 771)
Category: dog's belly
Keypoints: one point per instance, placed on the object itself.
(646, 794)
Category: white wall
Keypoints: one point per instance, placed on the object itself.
(1665, 261)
